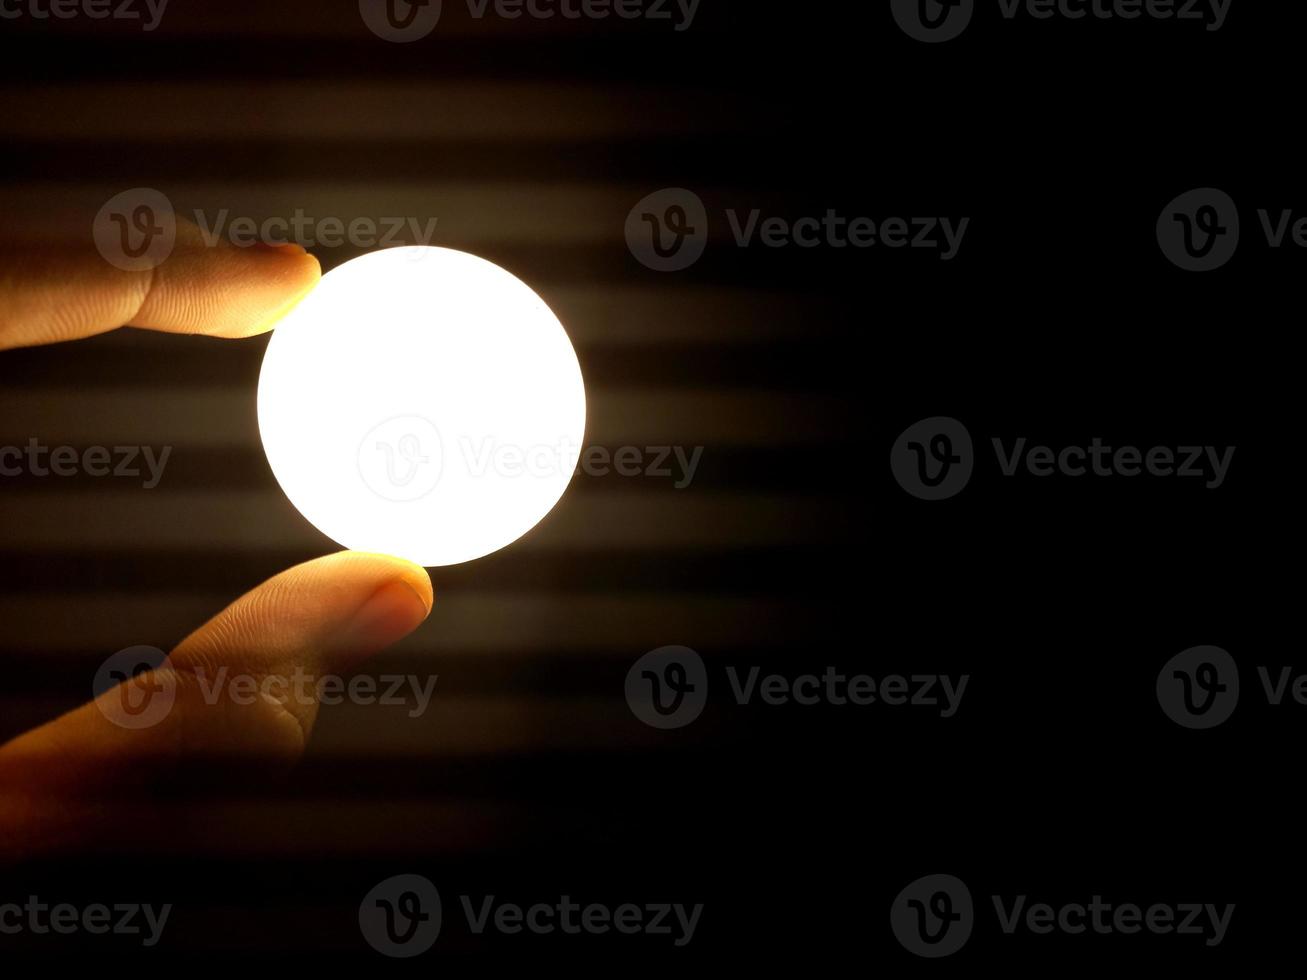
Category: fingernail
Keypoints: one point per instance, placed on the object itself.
(283, 248)
(296, 296)
(391, 613)
(425, 596)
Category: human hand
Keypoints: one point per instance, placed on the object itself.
(68, 782)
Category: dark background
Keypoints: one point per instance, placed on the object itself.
(793, 549)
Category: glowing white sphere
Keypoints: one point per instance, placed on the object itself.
(424, 403)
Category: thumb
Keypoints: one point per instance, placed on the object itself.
(240, 693)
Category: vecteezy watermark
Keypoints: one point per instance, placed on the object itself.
(675, 463)
(136, 229)
(121, 462)
(933, 460)
(405, 21)
(305, 689)
(1200, 230)
(65, 919)
(934, 916)
(132, 689)
(401, 917)
(940, 692)
(148, 12)
(143, 688)
(400, 21)
(673, 920)
(404, 458)
(1199, 687)
(311, 232)
(933, 21)
(668, 688)
(667, 231)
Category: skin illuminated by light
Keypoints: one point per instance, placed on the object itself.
(422, 402)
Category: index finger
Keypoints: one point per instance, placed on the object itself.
(56, 291)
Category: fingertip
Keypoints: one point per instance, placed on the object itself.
(278, 279)
(391, 613)
(225, 290)
(398, 604)
(411, 574)
(420, 583)
(292, 263)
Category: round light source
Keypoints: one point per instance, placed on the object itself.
(424, 403)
